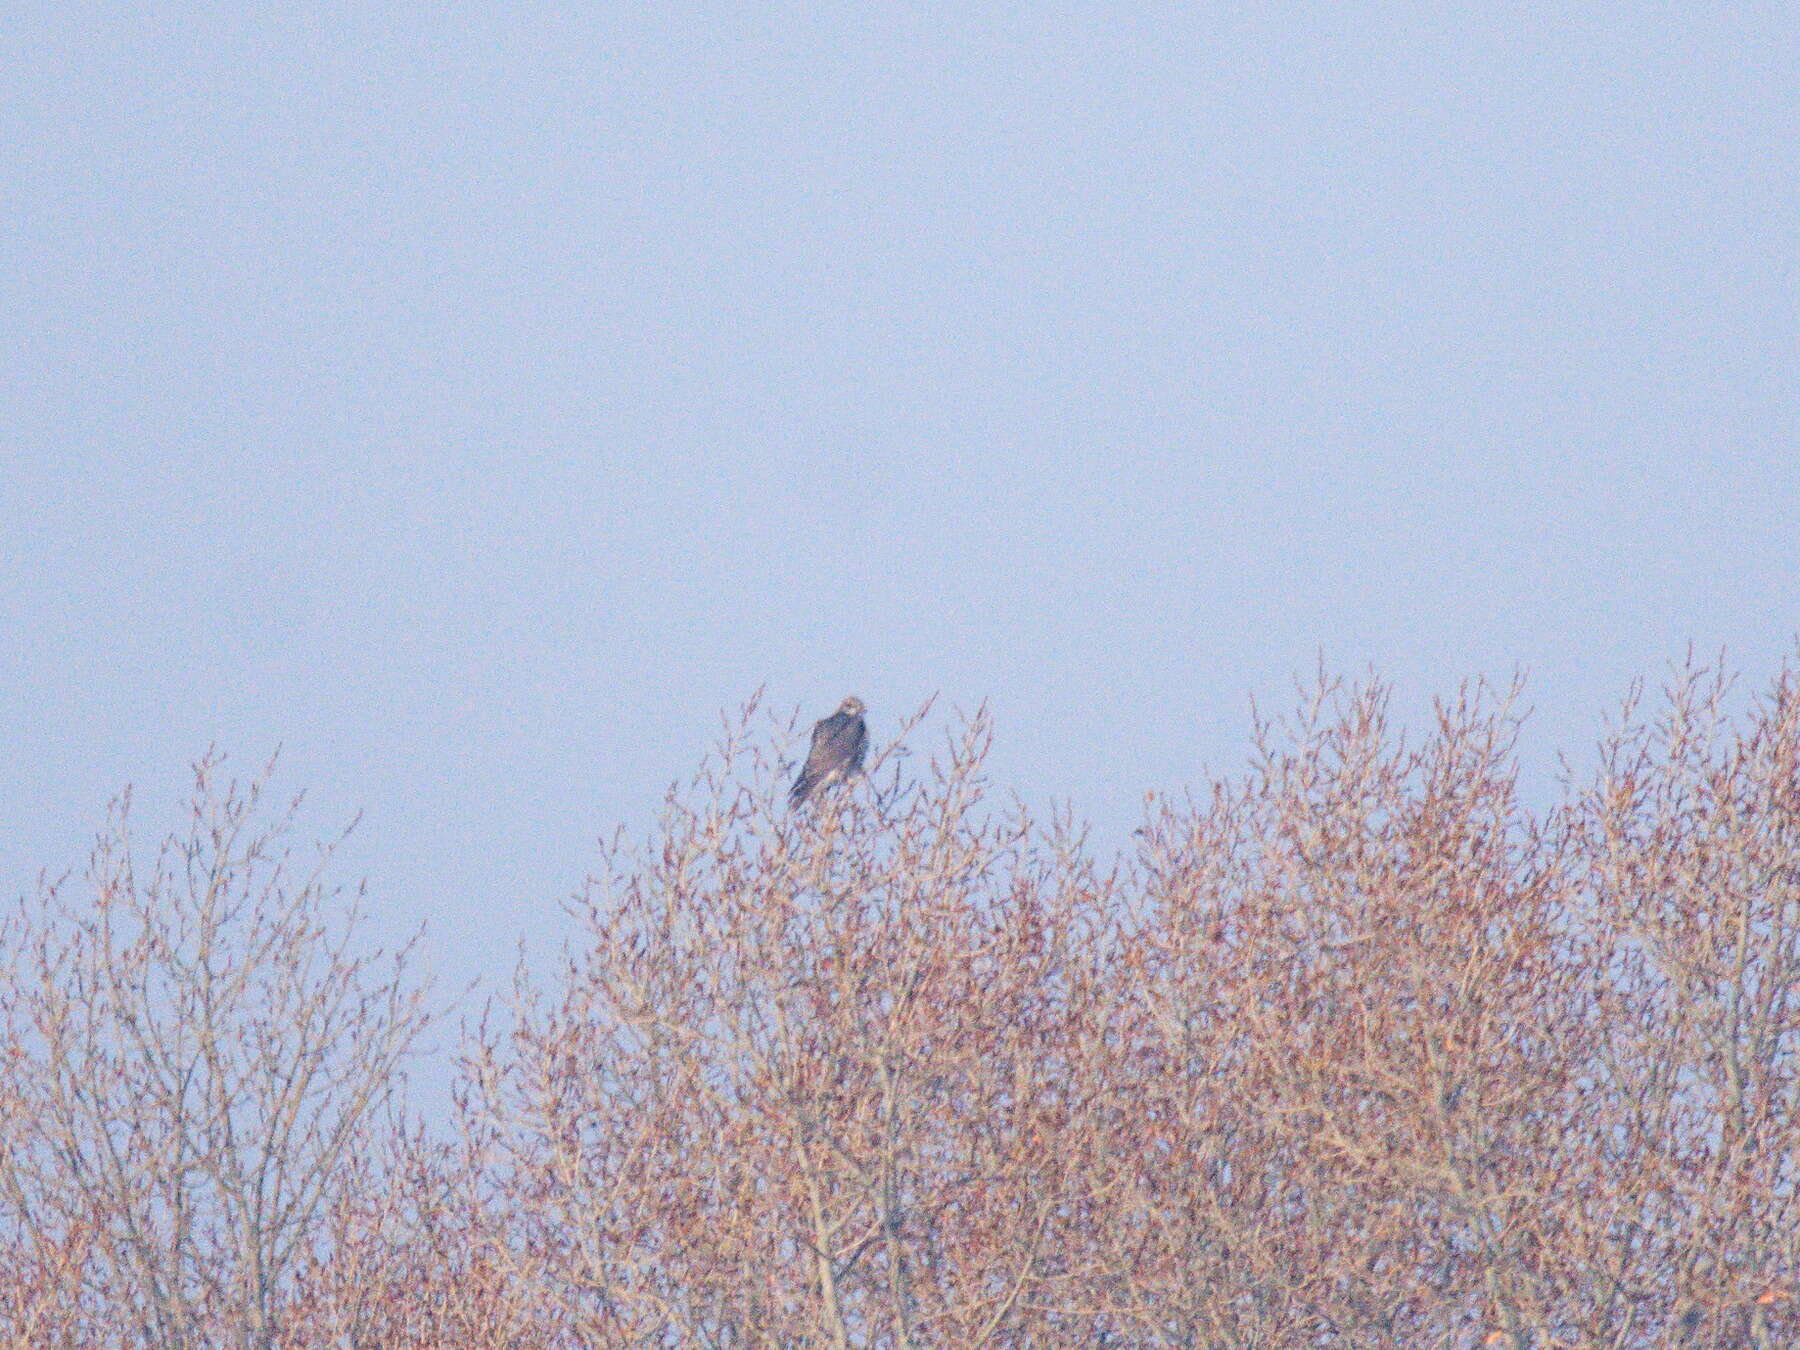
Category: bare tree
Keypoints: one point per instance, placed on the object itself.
(1693, 1115)
(812, 1083)
(199, 1056)
(412, 1255)
(1360, 1050)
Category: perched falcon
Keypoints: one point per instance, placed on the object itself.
(838, 743)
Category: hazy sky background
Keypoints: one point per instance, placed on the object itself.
(476, 400)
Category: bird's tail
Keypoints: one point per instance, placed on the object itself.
(802, 789)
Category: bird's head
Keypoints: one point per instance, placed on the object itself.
(852, 705)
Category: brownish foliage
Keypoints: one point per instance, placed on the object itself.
(1358, 1051)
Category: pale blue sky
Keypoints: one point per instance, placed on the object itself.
(477, 400)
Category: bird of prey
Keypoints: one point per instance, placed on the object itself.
(838, 743)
